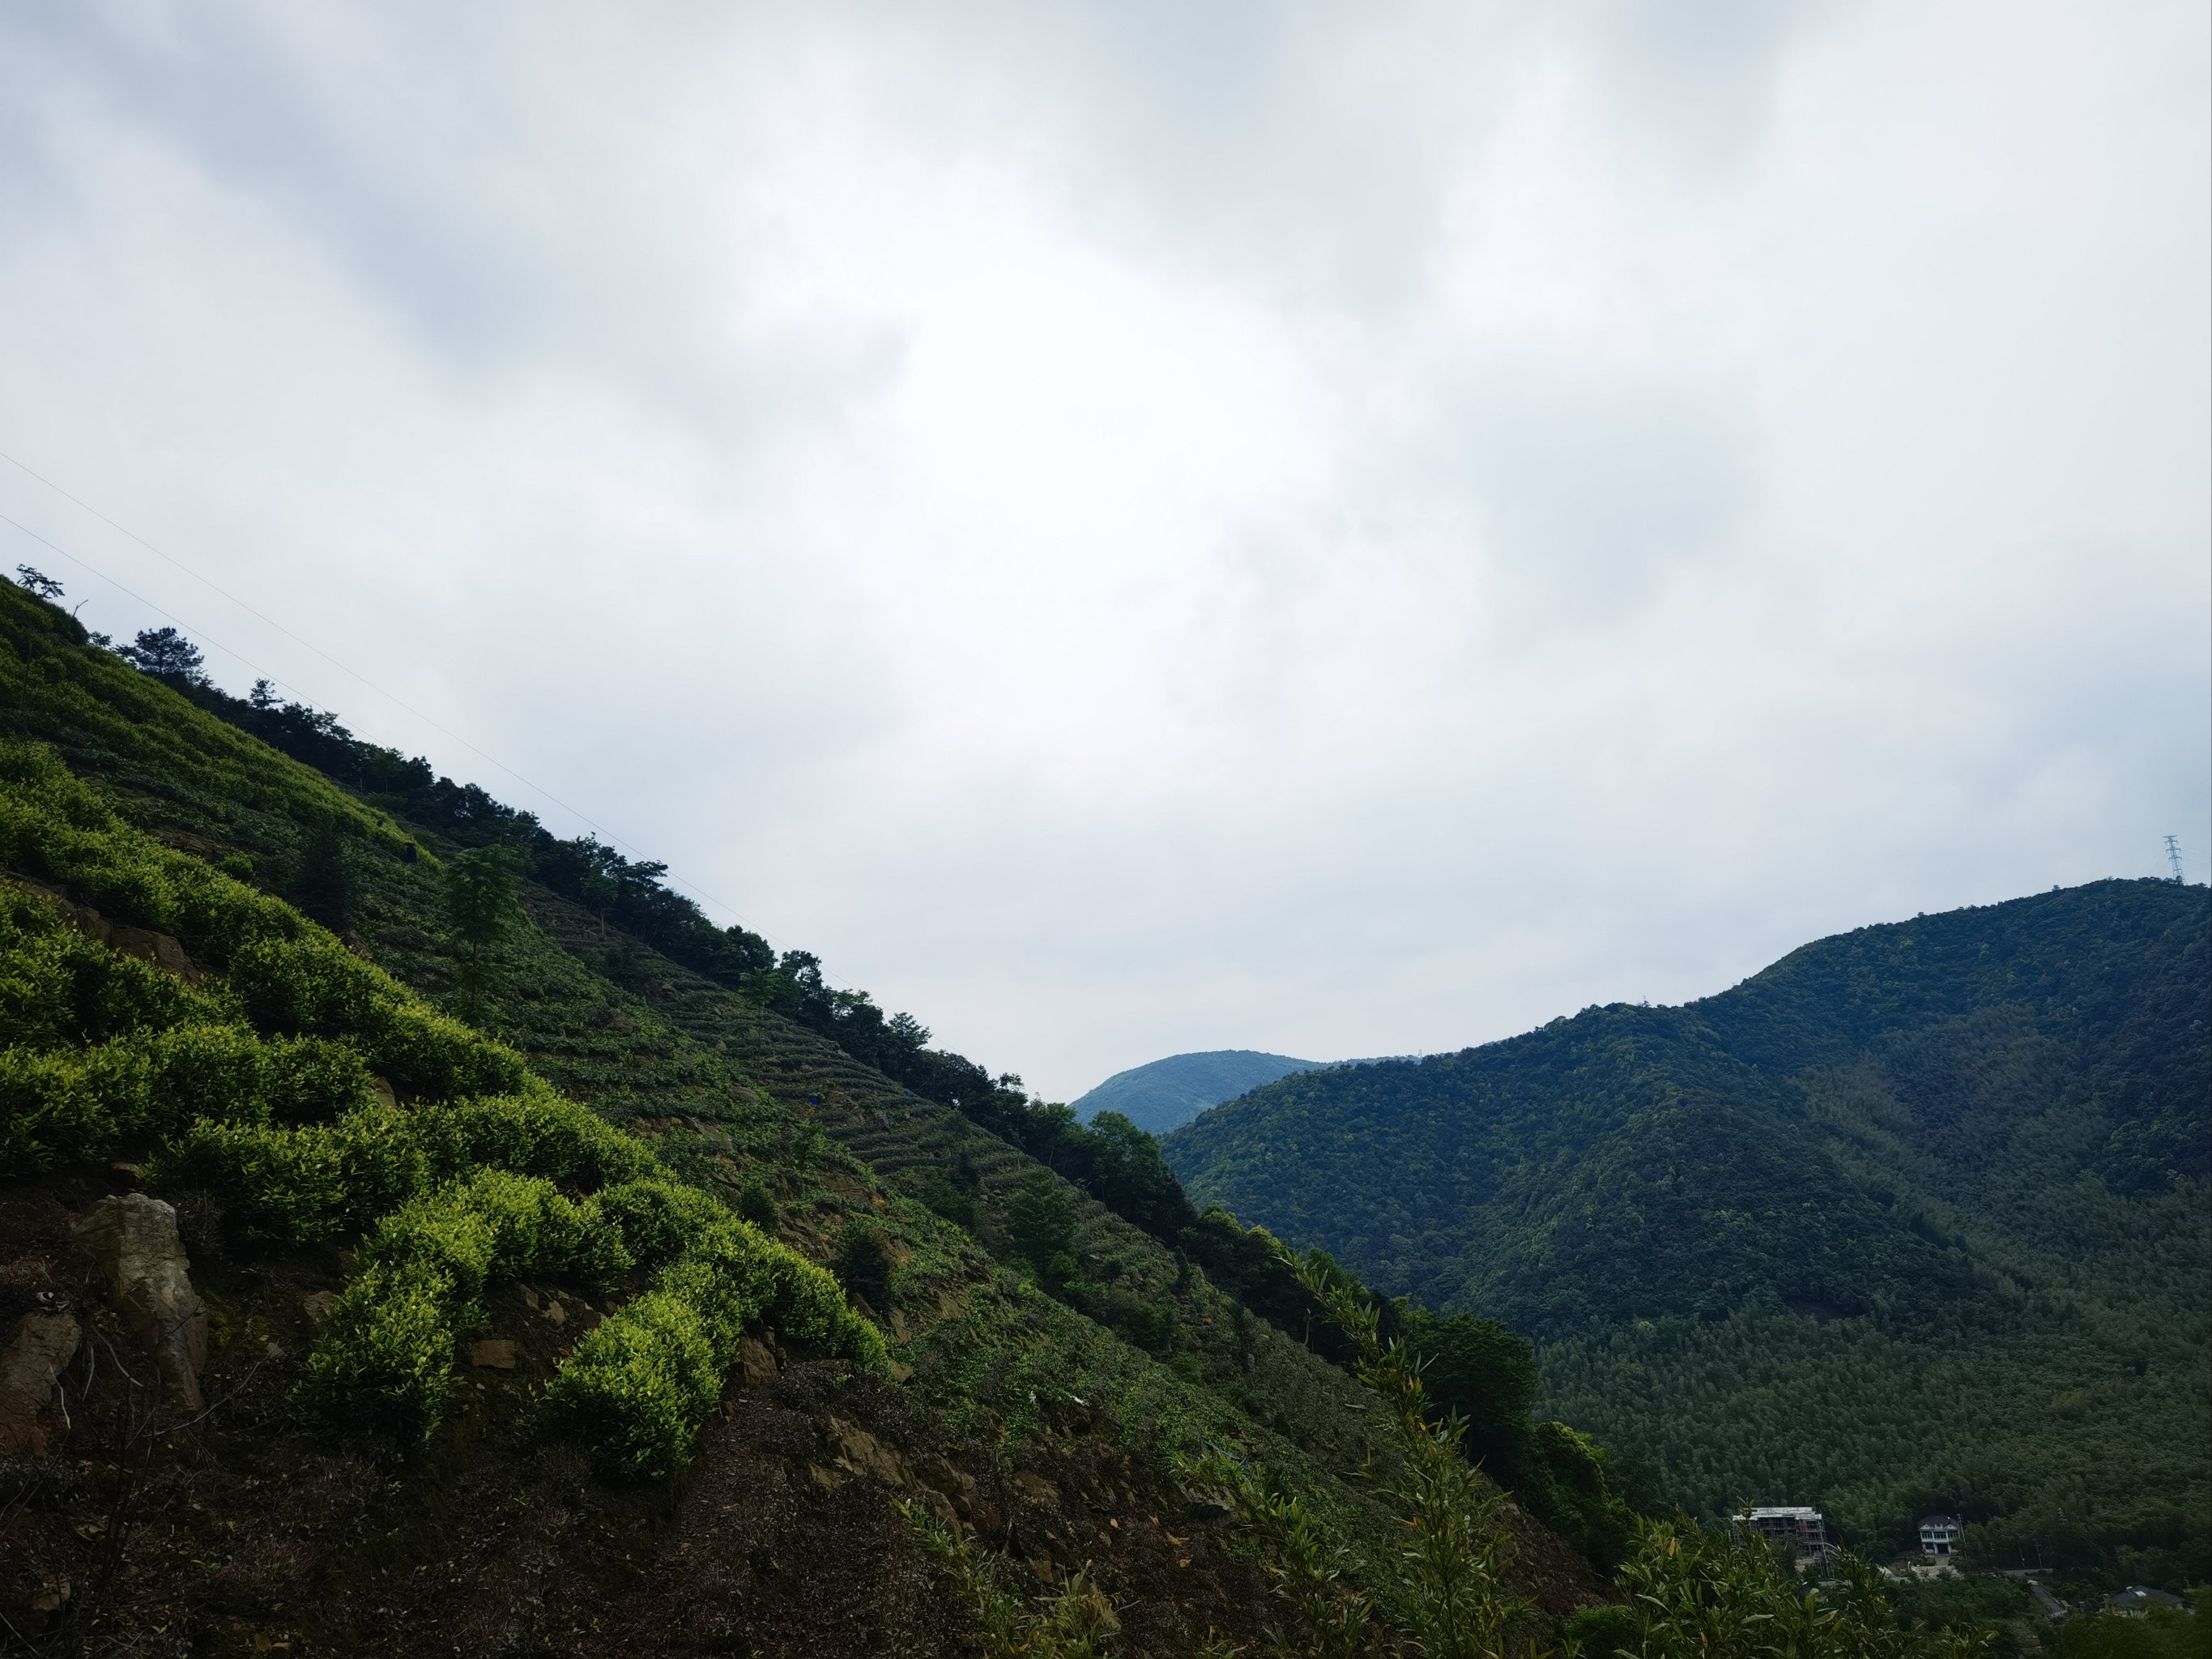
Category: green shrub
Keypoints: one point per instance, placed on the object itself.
(757, 1205)
(948, 1200)
(54, 826)
(270, 1181)
(426, 1053)
(809, 1305)
(192, 1072)
(543, 1134)
(386, 1355)
(864, 1261)
(60, 987)
(390, 1341)
(228, 1074)
(660, 1219)
(497, 1219)
(637, 1389)
(50, 1112)
(314, 1182)
(302, 1183)
(309, 1080)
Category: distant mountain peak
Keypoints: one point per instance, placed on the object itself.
(1164, 1095)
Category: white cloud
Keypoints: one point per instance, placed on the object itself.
(1128, 529)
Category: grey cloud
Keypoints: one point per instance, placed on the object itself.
(1592, 494)
(1588, 592)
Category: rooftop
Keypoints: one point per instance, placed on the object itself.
(2136, 1597)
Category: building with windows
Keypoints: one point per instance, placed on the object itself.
(1800, 1531)
(1939, 1536)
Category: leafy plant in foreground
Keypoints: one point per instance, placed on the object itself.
(1073, 1623)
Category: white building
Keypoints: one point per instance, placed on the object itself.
(1939, 1536)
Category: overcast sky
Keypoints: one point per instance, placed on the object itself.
(1136, 527)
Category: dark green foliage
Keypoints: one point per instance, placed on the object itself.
(167, 655)
(948, 1200)
(1477, 1368)
(1901, 1213)
(2160, 1633)
(864, 1261)
(480, 889)
(1603, 1630)
(481, 904)
(36, 581)
(757, 1205)
(1486, 1375)
(2001, 1605)
(1137, 1321)
(1041, 1222)
(1696, 1594)
(1253, 1266)
(325, 887)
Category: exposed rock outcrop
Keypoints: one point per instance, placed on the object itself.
(45, 1344)
(134, 1240)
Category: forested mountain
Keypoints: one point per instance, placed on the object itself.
(1914, 1219)
(1165, 1094)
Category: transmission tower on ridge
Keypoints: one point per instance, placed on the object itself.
(2173, 857)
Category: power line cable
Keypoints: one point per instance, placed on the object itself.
(132, 593)
(390, 696)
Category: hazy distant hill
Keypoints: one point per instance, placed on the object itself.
(1166, 1094)
(1915, 1217)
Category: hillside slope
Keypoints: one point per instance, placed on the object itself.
(1164, 1095)
(1916, 1217)
(1037, 1407)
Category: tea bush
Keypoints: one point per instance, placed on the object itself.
(256, 1088)
(304, 1183)
(286, 975)
(80, 1103)
(544, 1133)
(390, 1341)
(58, 986)
(638, 1388)
(659, 1218)
(387, 1356)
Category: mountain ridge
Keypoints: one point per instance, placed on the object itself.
(1883, 1137)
